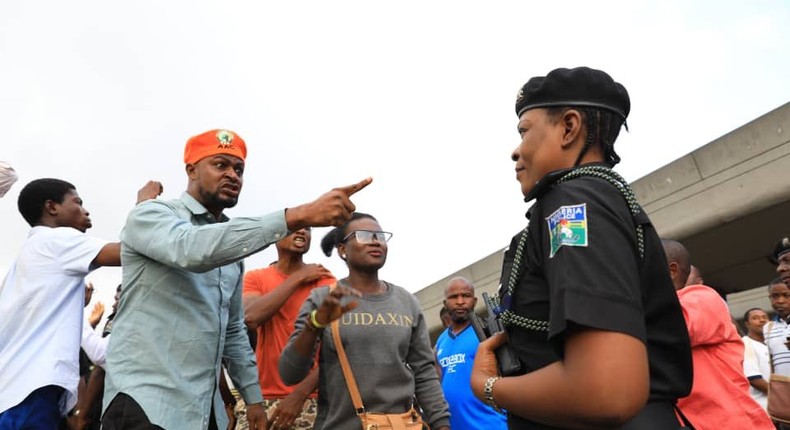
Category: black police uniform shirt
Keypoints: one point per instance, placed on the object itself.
(595, 279)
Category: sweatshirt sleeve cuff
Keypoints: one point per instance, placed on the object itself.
(440, 423)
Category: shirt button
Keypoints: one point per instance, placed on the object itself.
(244, 249)
(276, 235)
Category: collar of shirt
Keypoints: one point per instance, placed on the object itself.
(197, 208)
(543, 185)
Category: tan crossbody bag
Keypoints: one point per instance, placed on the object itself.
(409, 420)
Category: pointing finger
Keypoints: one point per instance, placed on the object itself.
(351, 189)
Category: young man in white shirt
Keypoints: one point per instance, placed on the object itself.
(41, 301)
(756, 358)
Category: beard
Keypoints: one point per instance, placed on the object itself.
(459, 318)
(214, 199)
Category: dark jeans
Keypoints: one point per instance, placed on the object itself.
(124, 413)
(39, 411)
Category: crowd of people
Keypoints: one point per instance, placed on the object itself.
(609, 325)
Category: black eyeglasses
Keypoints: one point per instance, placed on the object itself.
(367, 236)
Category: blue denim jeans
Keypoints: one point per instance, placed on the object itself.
(39, 411)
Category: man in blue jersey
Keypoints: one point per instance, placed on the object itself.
(455, 353)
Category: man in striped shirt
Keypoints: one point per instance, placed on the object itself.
(777, 331)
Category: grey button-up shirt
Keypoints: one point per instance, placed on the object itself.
(180, 311)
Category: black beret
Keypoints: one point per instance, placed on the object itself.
(782, 247)
(582, 87)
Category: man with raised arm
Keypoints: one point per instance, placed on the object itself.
(181, 312)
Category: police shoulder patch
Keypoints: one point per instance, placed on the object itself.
(567, 227)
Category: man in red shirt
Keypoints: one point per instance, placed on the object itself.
(719, 396)
(272, 299)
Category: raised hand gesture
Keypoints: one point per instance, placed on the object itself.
(96, 314)
(332, 307)
(149, 191)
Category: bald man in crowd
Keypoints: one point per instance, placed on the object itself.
(719, 396)
(455, 353)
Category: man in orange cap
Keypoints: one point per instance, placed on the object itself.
(181, 314)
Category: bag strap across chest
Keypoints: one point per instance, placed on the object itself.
(353, 389)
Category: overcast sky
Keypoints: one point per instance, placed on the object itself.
(417, 94)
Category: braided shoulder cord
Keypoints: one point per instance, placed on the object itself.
(615, 179)
(510, 318)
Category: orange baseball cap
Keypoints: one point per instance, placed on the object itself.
(214, 142)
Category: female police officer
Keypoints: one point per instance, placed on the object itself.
(586, 298)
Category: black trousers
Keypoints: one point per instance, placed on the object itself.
(124, 413)
(655, 416)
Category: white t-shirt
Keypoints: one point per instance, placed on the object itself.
(41, 307)
(756, 362)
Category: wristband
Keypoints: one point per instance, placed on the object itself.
(488, 392)
(314, 321)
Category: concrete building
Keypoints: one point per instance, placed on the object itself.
(728, 202)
